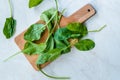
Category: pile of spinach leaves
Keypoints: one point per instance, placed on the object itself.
(59, 41)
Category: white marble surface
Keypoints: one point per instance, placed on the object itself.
(101, 63)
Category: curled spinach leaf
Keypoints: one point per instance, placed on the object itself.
(47, 15)
(33, 3)
(34, 32)
(9, 27)
(78, 28)
(31, 48)
(85, 45)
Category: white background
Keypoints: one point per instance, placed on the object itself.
(101, 63)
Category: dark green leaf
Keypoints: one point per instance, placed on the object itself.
(31, 48)
(33, 3)
(85, 45)
(78, 28)
(50, 44)
(64, 33)
(62, 44)
(9, 27)
(34, 32)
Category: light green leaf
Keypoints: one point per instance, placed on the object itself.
(33, 3)
(34, 32)
(43, 58)
(47, 15)
(54, 54)
(31, 48)
(48, 56)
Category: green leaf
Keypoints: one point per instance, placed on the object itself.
(54, 54)
(64, 33)
(9, 27)
(33, 3)
(31, 48)
(85, 45)
(47, 15)
(34, 32)
(78, 28)
(62, 44)
(43, 58)
(49, 56)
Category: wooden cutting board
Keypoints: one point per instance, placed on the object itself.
(80, 16)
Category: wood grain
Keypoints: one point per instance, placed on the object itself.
(80, 16)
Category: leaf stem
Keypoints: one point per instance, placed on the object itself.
(53, 27)
(52, 76)
(11, 14)
(66, 47)
(51, 32)
(12, 56)
(101, 28)
(48, 23)
(56, 2)
(57, 15)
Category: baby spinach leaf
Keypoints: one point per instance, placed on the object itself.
(9, 27)
(43, 58)
(33, 3)
(59, 44)
(31, 48)
(47, 15)
(62, 44)
(34, 32)
(49, 56)
(85, 45)
(78, 28)
(54, 54)
(67, 48)
(64, 33)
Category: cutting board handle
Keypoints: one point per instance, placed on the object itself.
(80, 16)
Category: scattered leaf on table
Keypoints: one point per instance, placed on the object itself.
(33, 3)
(9, 27)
